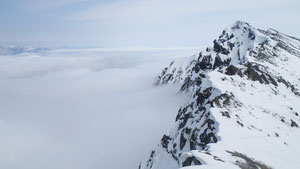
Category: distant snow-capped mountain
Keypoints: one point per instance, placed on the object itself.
(14, 50)
(244, 107)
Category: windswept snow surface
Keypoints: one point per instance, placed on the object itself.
(83, 108)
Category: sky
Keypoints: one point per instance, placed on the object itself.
(138, 23)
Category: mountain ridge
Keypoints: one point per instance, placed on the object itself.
(246, 83)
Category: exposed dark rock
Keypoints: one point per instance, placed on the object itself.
(182, 141)
(174, 145)
(186, 84)
(225, 113)
(251, 35)
(159, 78)
(184, 120)
(231, 70)
(215, 157)
(231, 45)
(249, 163)
(219, 48)
(280, 79)
(165, 141)
(241, 124)
(187, 130)
(223, 100)
(254, 72)
(202, 109)
(218, 62)
(207, 137)
(295, 90)
(204, 64)
(287, 48)
(236, 26)
(175, 157)
(203, 96)
(209, 123)
(193, 139)
(294, 124)
(191, 161)
(181, 111)
(150, 161)
(261, 55)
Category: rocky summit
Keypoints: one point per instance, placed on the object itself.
(244, 106)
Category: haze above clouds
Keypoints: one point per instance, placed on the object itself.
(138, 23)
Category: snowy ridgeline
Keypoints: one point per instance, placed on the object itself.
(244, 109)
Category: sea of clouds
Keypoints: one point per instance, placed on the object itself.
(84, 108)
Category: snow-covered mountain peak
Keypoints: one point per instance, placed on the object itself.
(243, 111)
(6, 49)
(237, 45)
(239, 28)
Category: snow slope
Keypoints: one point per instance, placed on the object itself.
(244, 107)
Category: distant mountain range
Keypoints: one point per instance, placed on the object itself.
(14, 50)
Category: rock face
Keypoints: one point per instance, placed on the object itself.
(244, 106)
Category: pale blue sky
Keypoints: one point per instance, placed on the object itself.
(138, 23)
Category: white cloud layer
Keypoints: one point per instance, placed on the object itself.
(75, 109)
